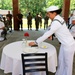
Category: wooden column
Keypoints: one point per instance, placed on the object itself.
(65, 9)
(15, 11)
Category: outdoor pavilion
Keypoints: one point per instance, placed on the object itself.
(65, 11)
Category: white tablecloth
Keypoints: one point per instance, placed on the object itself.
(11, 57)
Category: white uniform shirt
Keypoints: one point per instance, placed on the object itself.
(72, 30)
(1, 26)
(61, 32)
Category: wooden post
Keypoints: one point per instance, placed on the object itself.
(65, 9)
(15, 11)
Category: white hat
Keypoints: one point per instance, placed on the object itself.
(52, 8)
(73, 17)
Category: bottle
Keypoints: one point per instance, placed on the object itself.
(23, 43)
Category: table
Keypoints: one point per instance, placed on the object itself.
(11, 57)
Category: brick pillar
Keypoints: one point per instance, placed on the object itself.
(65, 9)
(15, 11)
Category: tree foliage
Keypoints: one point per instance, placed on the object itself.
(34, 6)
(72, 5)
(6, 4)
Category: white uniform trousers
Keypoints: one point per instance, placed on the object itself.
(65, 60)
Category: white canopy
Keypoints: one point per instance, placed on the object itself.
(4, 12)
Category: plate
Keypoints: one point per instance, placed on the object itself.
(44, 47)
(30, 50)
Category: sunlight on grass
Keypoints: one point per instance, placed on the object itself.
(33, 23)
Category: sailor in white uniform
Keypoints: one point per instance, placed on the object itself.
(72, 27)
(1, 30)
(59, 28)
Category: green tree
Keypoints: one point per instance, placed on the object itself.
(54, 2)
(72, 5)
(6, 4)
(34, 6)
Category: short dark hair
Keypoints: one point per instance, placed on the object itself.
(57, 11)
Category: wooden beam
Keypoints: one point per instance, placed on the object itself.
(65, 9)
(15, 11)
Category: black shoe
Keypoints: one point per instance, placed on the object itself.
(10, 31)
(59, 43)
(74, 37)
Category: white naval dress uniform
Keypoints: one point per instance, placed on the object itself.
(1, 26)
(66, 54)
(72, 27)
(72, 30)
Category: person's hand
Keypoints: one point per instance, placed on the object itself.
(32, 43)
(50, 38)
